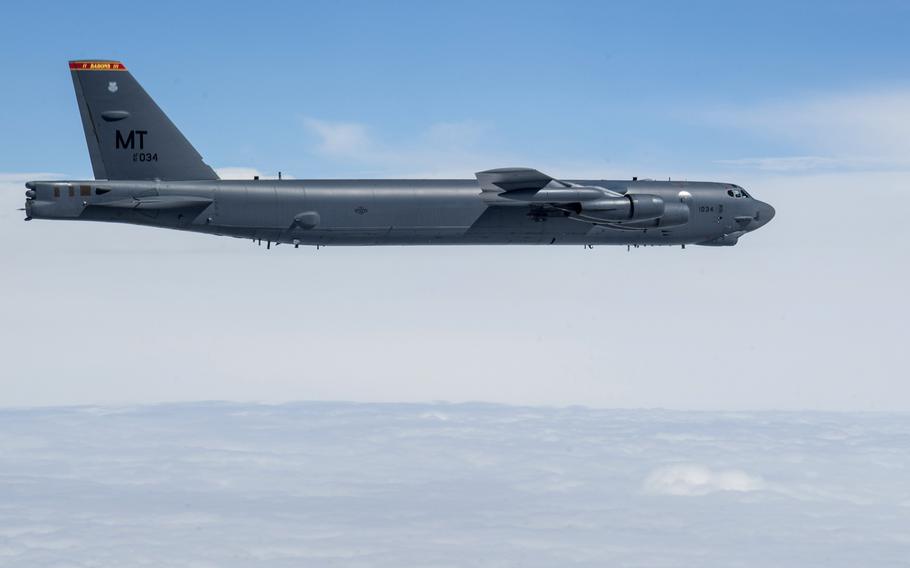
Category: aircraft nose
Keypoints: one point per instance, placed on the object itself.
(763, 213)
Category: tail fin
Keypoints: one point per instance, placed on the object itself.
(128, 136)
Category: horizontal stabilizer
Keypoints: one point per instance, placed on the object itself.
(157, 203)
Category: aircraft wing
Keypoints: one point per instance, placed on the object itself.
(533, 186)
(511, 179)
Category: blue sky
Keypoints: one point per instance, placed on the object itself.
(807, 105)
(612, 86)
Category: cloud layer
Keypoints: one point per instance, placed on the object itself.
(215, 484)
(867, 129)
(695, 479)
(441, 149)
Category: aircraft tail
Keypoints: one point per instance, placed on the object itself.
(128, 135)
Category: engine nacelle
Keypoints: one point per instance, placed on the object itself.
(632, 207)
(675, 214)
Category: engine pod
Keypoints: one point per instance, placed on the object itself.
(630, 207)
(675, 214)
(646, 207)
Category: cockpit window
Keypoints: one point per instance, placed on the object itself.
(738, 193)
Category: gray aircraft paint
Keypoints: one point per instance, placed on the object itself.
(147, 173)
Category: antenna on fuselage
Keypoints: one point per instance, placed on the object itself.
(279, 174)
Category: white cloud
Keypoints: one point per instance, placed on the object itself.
(218, 484)
(341, 139)
(782, 163)
(864, 129)
(694, 479)
(232, 172)
(444, 149)
(241, 172)
(20, 178)
(451, 149)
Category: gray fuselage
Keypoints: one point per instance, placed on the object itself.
(394, 212)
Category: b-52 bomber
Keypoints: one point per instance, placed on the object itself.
(147, 173)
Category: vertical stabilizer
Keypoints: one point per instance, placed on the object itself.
(128, 135)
